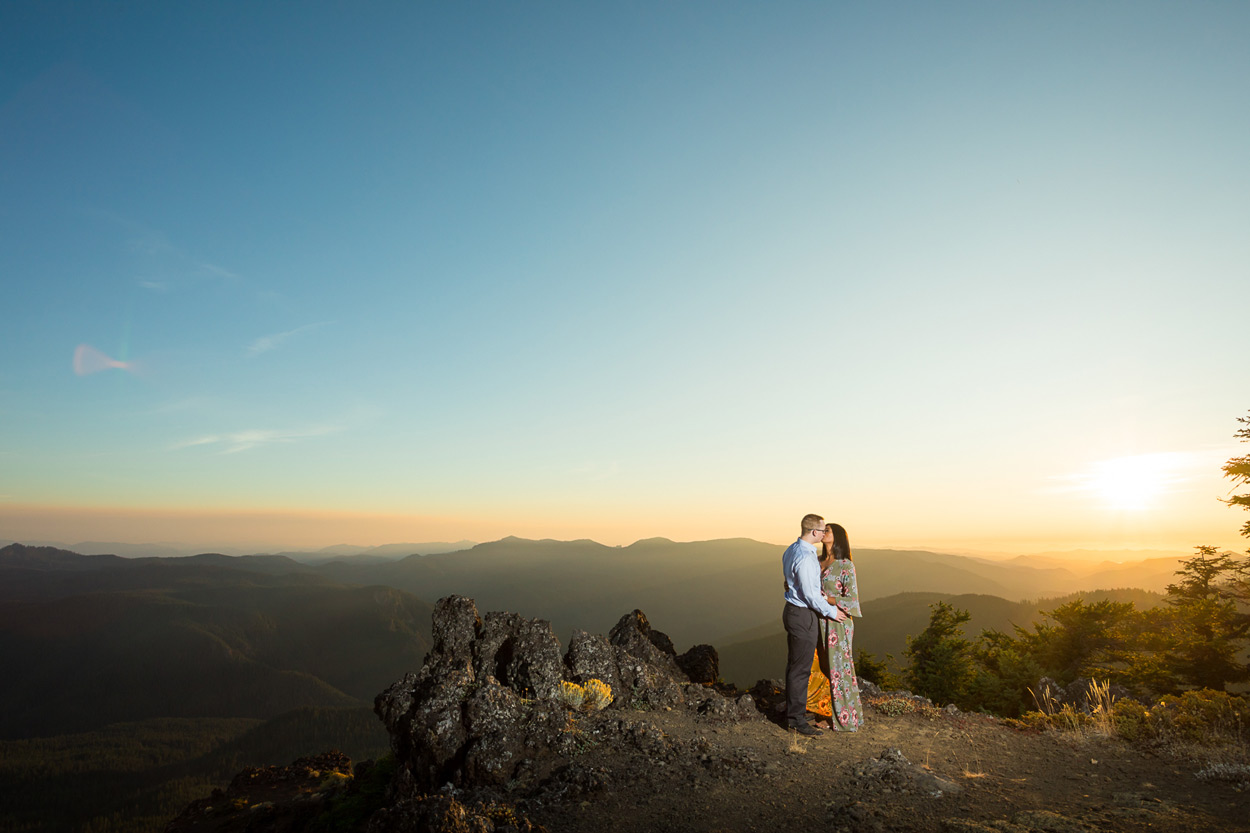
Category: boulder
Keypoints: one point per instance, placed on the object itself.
(522, 654)
(701, 664)
(647, 662)
(592, 657)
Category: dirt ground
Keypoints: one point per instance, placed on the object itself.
(680, 771)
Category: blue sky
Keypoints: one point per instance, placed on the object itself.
(586, 270)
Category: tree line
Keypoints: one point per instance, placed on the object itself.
(1199, 639)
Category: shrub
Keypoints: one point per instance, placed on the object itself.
(893, 706)
(1129, 719)
(598, 695)
(593, 696)
(572, 695)
(1202, 717)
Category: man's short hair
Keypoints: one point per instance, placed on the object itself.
(811, 522)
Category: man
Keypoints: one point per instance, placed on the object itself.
(805, 603)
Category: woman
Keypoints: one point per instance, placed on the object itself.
(833, 689)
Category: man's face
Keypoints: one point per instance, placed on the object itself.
(814, 535)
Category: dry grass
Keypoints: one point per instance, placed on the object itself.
(1099, 720)
(1102, 703)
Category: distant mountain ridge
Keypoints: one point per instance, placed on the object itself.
(129, 550)
(702, 591)
(262, 621)
(92, 640)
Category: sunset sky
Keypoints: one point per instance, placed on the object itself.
(964, 276)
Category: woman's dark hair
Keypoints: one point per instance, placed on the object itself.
(841, 546)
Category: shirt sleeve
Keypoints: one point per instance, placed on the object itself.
(808, 573)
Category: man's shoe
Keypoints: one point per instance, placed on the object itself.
(805, 729)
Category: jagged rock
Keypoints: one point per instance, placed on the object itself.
(429, 736)
(508, 732)
(454, 720)
(455, 626)
(271, 798)
(591, 657)
(635, 635)
(713, 704)
(520, 653)
(484, 710)
(701, 664)
(647, 663)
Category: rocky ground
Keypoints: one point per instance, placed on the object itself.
(486, 740)
(928, 771)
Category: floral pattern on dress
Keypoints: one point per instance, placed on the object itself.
(833, 689)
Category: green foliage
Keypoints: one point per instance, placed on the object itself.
(868, 667)
(1004, 672)
(1201, 717)
(1196, 640)
(1208, 624)
(367, 793)
(1079, 639)
(1238, 470)
(1195, 718)
(940, 658)
(1130, 719)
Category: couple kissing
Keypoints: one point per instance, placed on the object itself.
(821, 597)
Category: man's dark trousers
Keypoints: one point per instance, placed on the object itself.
(802, 633)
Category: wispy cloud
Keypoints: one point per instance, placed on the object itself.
(88, 360)
(271, 342)
(234, 442)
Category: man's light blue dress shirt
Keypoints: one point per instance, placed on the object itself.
(801, 568)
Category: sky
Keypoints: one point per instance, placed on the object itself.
(968, 276)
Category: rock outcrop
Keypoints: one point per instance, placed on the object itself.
(485, 709)
(271, 798)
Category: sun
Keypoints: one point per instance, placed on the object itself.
(1131, 484)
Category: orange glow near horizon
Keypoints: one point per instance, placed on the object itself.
(269, 530)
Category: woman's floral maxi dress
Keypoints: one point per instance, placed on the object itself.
(833, 689)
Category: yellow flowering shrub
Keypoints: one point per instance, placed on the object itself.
(572, 695)
(598, 695)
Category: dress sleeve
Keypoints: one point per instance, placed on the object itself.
(847, 589)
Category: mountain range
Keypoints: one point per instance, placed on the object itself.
(212, 635)
(193, 653)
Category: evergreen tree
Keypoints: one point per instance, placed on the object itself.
(1079, 640)
(868, 667)
(940, 658)
(1238, 470)
(1005, 672)
(1210, 625)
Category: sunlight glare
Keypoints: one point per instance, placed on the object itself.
(1132, 484)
